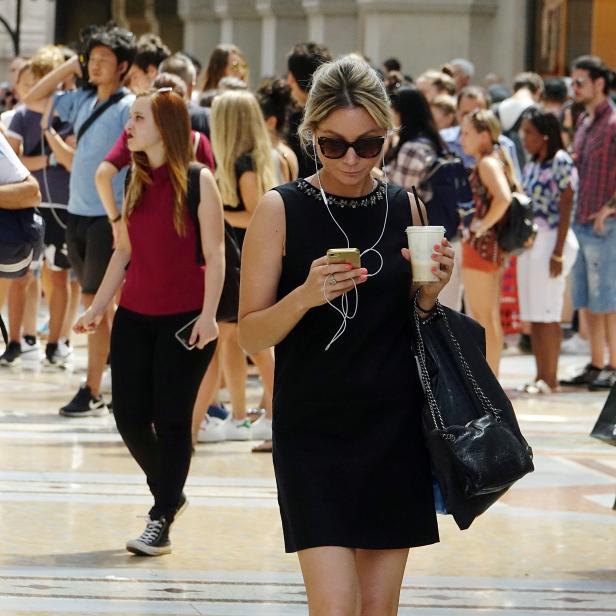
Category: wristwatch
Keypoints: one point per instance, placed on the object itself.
(116, 219)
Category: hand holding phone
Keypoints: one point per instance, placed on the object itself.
(197, 333)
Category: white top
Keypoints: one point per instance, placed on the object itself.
(12, 169)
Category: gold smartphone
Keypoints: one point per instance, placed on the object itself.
(346, 255)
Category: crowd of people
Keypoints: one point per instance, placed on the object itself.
(149, 168)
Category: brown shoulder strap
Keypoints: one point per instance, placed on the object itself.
(419, 215)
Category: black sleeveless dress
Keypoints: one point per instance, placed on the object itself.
(351, 466)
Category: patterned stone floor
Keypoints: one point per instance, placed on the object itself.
(70, 497)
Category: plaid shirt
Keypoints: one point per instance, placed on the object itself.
(594, 150)
(411, 167)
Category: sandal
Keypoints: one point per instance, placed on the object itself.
(538, 387)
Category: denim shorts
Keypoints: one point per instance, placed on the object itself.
(593, 276)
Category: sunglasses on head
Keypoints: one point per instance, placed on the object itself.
(365, 147)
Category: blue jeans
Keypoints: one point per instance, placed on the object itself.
(593, 276)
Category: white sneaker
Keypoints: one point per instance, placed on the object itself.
(212, 430)
(31, 352)
(575, 345)
(64, 350)
(238, 430)
(262, 429)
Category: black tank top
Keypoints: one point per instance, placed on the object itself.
(373, 358)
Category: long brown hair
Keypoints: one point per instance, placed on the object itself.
(172, 120)
(217, 65)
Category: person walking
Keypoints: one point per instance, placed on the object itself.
(98, 113)
(156, 375)
(549, 179)
(482, 259)
(343, 433)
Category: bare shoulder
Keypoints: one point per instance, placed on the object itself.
(206, 178)
(489, 165)
(271, 208)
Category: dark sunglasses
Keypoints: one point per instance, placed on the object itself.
(366, 147)
(579, 82)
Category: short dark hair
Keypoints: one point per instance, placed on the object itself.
(392, 64)
(474, 92)
(151, 51)
(120, 40)
(529, 80)
(548, 125)
(596, 68)
(180, 65)
(304, 60)
(555, 89)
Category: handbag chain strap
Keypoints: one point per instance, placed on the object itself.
(485, 402)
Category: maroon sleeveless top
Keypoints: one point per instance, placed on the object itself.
(163, 276)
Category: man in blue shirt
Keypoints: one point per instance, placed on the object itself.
(109, 53)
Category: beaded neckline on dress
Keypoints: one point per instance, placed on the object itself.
(373, 197)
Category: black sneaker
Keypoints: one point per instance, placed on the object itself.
(605, 379)
(154, 540)
(52, 358)
(524, 344)
(84, 404)
(11, 355)
(585, 378)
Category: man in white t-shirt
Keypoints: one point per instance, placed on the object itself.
(18, 191)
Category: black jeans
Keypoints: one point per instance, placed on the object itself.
(154, 385)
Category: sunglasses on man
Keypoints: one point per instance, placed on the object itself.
(365, 147)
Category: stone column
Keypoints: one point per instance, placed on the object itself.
(201, 27)
(283, 23)
(241, 26)
(333, 23)
(423, 34)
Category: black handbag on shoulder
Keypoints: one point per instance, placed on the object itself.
(517, 230)
(475, 445)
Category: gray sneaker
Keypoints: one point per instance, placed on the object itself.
(605, 380)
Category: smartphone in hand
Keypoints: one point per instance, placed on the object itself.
(348, 255)
(183, 334)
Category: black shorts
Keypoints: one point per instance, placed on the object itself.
(56, 250)
(90, 246)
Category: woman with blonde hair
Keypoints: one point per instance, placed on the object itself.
(347, 419)
(157, 371)
(492, 181)
(244, 172)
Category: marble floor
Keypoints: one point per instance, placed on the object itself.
(70, 497)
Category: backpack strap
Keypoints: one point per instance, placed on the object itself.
(193, 198)
(98, 111)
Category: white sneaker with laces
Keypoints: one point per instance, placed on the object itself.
(262, 429)
(238, 430)
(212, 430)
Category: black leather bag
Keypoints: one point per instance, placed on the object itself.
(517, 229)
(474, 441)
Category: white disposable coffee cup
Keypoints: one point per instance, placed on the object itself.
(421, 244)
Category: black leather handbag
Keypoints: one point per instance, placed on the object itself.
(517, 229)
(476, 448)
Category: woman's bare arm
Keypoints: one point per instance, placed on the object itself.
(250, 196)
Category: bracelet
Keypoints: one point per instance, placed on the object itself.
(557, 258)
(118, 217)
